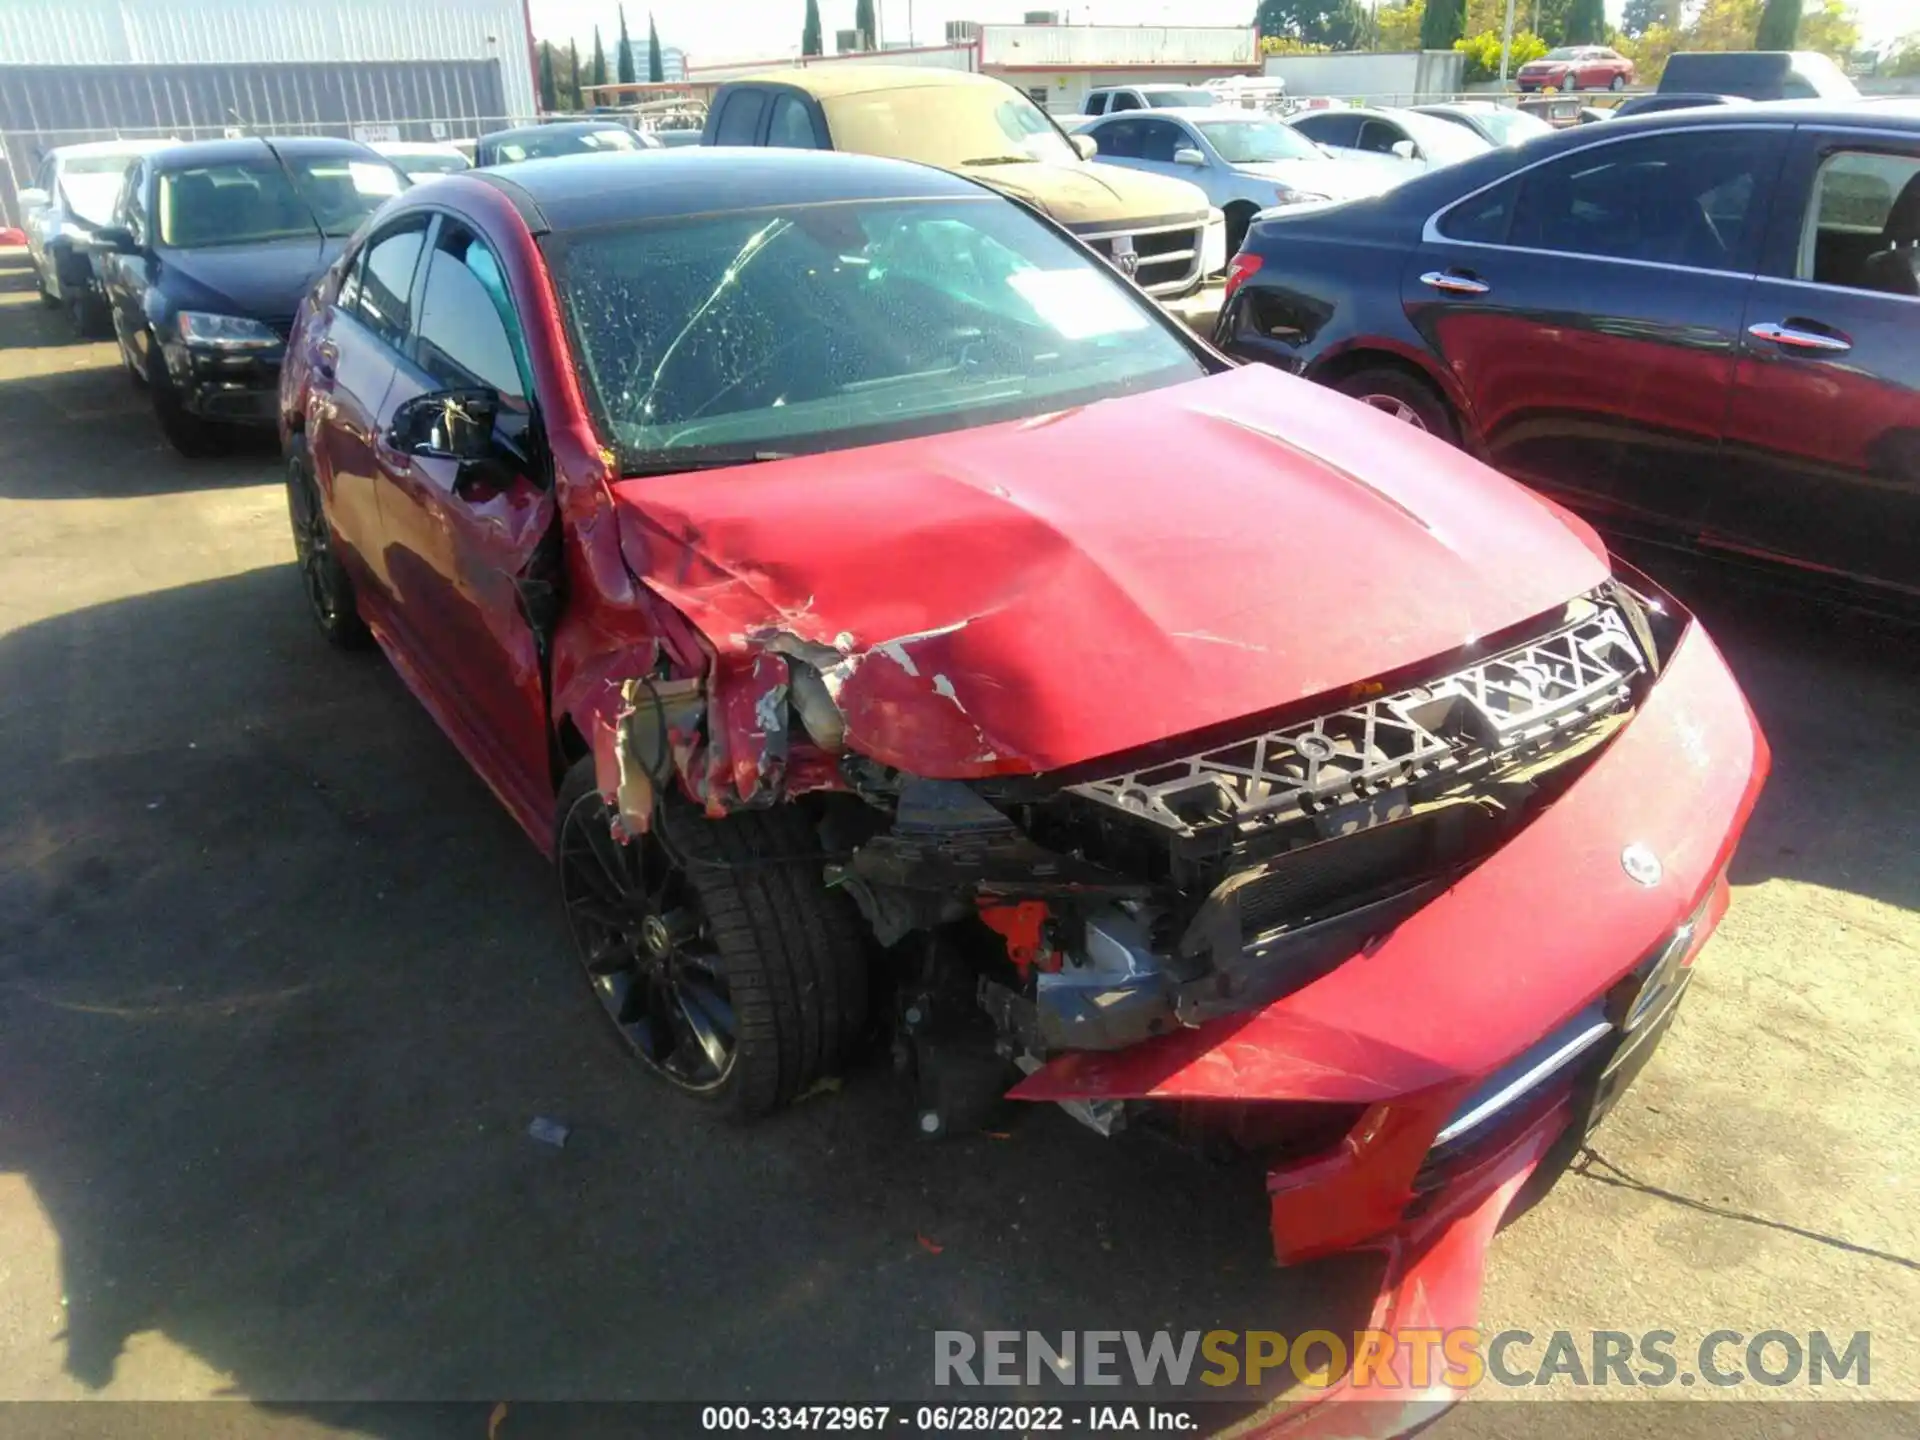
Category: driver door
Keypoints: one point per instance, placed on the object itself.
(466, 540)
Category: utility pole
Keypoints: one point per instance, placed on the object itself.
(1506, 44)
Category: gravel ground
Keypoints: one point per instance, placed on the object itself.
(281, 987)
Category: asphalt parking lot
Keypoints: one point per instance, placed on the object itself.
(281, 987)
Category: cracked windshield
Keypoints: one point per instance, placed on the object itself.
(756, 335)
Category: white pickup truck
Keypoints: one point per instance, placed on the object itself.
(1112, 99)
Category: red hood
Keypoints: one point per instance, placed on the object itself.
(1025, 596)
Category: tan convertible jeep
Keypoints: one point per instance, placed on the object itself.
(1160, 231)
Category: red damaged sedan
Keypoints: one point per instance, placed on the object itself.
(890, 621)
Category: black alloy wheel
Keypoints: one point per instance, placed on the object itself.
(648, 950)
(725, 964)
(329, 592)
(1394, 392)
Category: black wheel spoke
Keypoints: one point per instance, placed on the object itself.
(643, 942)
(711, 1046)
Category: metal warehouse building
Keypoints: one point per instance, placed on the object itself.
(74, 70)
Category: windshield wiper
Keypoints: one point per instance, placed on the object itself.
(293, 181)
(1001, 160)
(658, 464)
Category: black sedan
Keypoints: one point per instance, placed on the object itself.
(1701, 326)
(564, 137)
(210, 247)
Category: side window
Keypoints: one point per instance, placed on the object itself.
(1119, 138)
(1159, 139)
(1482, 219)
(1685, 198)
(468, 331)
(385, 280)
(792, 127)
(1121, 100)
(134, 215)
(1096, 102)
(1341, 130)
(1378, 138)
(740, 120)
(1863, 203)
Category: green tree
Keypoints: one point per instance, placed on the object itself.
(549, 99)
(656, 63)
(1779, 25)
(623, 64)
(1640, 16)
(810, 31)
(597, 72)
(1587, 22)
(1336, 24)
(1831, 29)
(572, 99)
(863, 23)
(1397, 27)
(1444, 23)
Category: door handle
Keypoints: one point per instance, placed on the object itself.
(326, 359)
(1793, 339)
(1452, 283)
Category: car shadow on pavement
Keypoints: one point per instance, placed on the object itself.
(281, 988)
(1837, 693)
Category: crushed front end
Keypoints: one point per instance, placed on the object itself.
(1375, 940)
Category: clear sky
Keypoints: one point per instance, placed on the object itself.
(715, 30)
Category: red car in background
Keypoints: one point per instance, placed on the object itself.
(877, 606)
(1576, 67)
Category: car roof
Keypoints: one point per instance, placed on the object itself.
(558, 127)
(252, 147)
(1902, 111)
(111, 147)
(413, 147)
(824, 81)
(571, 192)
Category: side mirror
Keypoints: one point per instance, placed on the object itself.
(446, 425)
(116, 238)
(1187, 155)
(33, 200)
(1085, 146)
(1406, 149)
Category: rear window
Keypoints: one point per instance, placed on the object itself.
(542, 145)
(96, 164)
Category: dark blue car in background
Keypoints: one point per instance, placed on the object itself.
(1701, 326)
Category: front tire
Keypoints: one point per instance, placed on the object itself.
(1617, 84)
(188, 433)
(725, 965)
(329, 592)
(86, 314)
(1239, 219)
(1406, 398)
